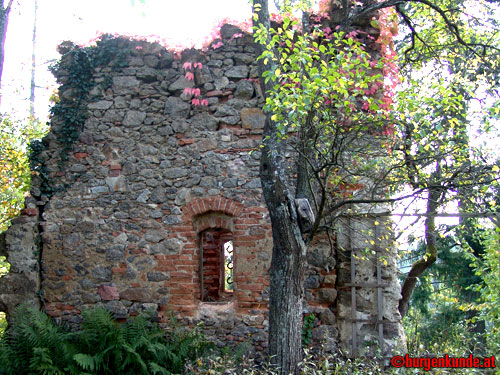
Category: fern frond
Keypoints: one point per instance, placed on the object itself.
(85, 361)
(155, 368)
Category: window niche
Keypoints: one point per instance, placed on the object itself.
(216, 265)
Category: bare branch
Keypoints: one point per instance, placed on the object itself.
(9, 6)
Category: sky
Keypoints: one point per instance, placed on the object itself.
(180, 22)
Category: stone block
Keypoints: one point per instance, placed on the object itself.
(320, 258)
(102, 104)
(221, 83)
(158, 276)
(176, 107)
(144, 196)
(173, 173)
(327, 295)
(244, 90)
(225, 110)
(102, 273)
(134, 118)
(115, 253)
(311, 282)
(117, 183)
(147, 74)
(238, 71)
(327, 336)
(125, 82)
(327, 317)
(99, 189)
(252, 118)
(117, 308)
(136, 294)
(227, 31)
(108, 292)
(180, 84)
(171, 219)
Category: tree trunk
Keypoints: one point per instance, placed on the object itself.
(430, 256)
(286, 276)
(33, 68)
(289, 248)
(4, 20)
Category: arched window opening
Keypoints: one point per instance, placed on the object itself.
(216, 268)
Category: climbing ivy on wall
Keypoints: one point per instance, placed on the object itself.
(72, 111)
(75, 72)
(80, 63)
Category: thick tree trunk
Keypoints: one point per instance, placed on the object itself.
(289, 248)
(286, 276)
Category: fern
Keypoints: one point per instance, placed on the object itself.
(155, 368)
(35, 345)
(85, 361)
(41, 363)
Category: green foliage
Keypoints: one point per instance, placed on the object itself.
(327, 101)
(3, 323)
(488, 269)
(450, 64)
(307, 327)
(434, 132)
(33, 345)
(320, 80)
(15, 176)
(455, 308)
(451, 58)
(447, 331)
(36, 345)
(38, 167)
(464, 35)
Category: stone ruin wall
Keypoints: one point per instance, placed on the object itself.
(148, 176)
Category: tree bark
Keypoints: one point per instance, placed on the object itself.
(430, 256)
(33, 68)
(289, 248)
(286, 283)
(4, 20)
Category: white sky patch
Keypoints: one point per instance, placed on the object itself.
(184, 23)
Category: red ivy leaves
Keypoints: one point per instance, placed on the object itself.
(194, 92)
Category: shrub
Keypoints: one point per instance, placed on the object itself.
(34, 344)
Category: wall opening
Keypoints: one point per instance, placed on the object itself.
(228, 266)
(217, 263)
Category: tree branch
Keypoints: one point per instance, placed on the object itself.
(430, 255)
(9, 6)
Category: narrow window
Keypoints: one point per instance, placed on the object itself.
(228, 266)
(216, 268)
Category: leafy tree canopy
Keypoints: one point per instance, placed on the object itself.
(15, 175)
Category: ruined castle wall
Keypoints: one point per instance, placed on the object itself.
(151, 173)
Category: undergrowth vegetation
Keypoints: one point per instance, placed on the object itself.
(35, 344)
(329, 364)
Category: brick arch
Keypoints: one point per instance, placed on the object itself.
(213, 221)
(203, 206)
